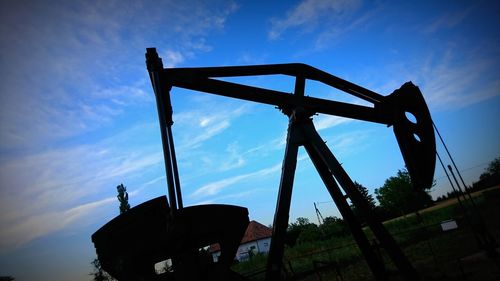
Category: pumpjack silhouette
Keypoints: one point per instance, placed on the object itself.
(162, 228)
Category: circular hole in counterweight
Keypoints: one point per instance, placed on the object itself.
(410, 117)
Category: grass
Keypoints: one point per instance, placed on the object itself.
(435, 254)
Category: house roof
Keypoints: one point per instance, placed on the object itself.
(255, 231)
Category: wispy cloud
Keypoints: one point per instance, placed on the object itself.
(48, 191)
(343, 25)
(234, 159)
(208, 191)
(454, 81)
(450, 78)
(61, 88)
(249, 57)
(447, 20)
(232, 196)
(265, 148)
(74, 68)
(351, 142)
(217, 186)
(40, 224)
(323, 122)
(202, 124)
(172, 58)
(461, 72)
(309, 14)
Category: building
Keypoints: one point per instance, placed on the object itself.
(257, 239)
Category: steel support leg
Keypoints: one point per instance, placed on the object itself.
(375, 264)
(383, 236)
(302, 132)
(280, 224)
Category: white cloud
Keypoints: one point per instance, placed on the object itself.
(45, 223)
(450, 78)
(275, 144)
(336, 29)
(51, 183)
(233, 159)
(448, 84)
(217, 186)
(323, 122)
(308, 13)
(447, 20)
(346, 144)
(197, 126)
(72, 69)
(204, 121)
(208, 133)
(172, 58)
(238, 195)
(76, 67)
(49, 191)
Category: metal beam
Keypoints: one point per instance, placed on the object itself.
(384, 237)
(290, 69)
(284, 101)
(281, 214)
(375, 264)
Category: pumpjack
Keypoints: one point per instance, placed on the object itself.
(162, 228)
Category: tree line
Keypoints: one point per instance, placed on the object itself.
(396, 197)
(490, 177)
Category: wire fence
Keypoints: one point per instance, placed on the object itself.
(439, 243)
(339, 262)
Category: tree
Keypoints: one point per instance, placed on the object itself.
(368, 199)
(398, 197)
(494, 167)
(490, 177)
(123, 198)
(309, 233)
(301, 231)
(99, 274)
(334, 227)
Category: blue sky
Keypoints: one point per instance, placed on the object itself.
(78, 115)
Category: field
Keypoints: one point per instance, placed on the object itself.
(436, 254)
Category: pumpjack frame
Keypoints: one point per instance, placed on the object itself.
(415, 137)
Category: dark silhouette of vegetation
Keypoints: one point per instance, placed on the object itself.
(419, 235)
(300, 231)
(492, 169)
(308, 242)
(397, 196)
(6, 278)
(303, 231)
(123, 198)
(368, 198)
(99, 274)
(448, 195)
(334, 227)
(490, 177)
